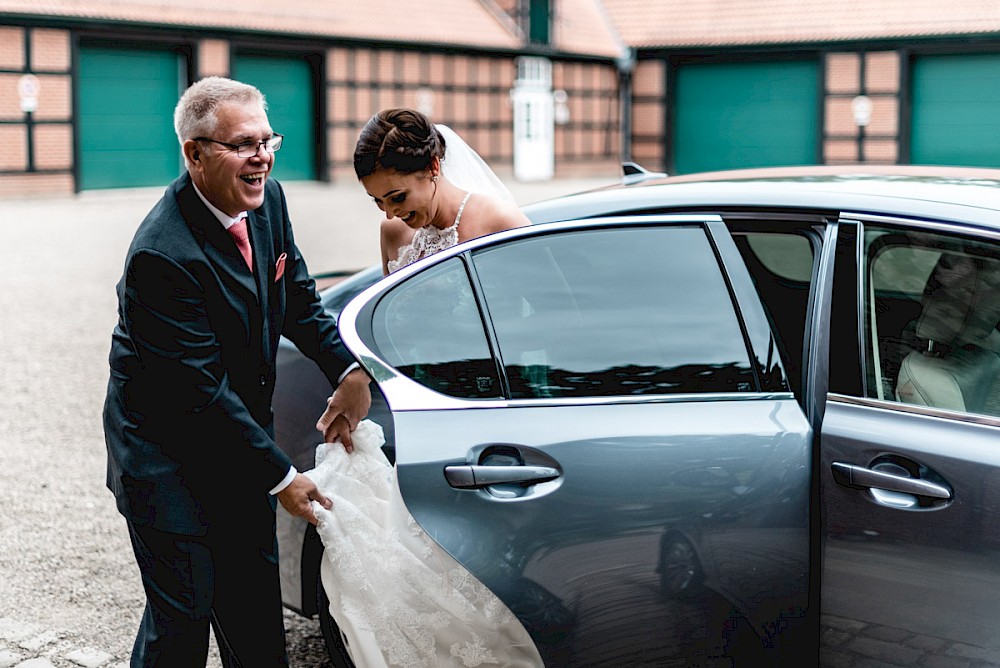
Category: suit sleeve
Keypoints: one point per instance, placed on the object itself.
(307, 324)
(164, 311)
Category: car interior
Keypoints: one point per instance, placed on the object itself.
(933, 308)
(955, 360)
(780, 263)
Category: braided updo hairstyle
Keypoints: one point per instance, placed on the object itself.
(400, 139)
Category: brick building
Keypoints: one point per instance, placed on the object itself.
(87, 86)
(763, 82)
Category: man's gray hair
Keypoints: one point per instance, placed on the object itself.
(195, 114)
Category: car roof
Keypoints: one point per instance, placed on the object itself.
(965, 194)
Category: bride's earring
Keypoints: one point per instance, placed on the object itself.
(434, 178)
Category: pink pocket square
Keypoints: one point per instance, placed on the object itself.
(279, 267)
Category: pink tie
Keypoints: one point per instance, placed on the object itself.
(242, 239)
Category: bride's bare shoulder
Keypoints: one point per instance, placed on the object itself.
(496, 215)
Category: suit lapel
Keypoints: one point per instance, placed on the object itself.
(218, 246)
(260, 240)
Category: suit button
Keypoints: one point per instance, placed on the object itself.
(263, 381)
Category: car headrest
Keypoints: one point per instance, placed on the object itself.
(962, 302)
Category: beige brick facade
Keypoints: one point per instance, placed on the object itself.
(55, 99)
(875, 75)
(10, 104)
(471, 94)
(467, 84)
(843, 73)
(882, 72)
(50, 50)
(649, 103)
(14, 139)
(53, 147)
(213, 58)
(12, 47)
(39, 142)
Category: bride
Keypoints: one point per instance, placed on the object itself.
(397, 596)
(400, 160)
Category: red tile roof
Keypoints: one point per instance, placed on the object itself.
(462, 22)
(593, 27)
(580, 25)
(583, 26)
(677, 23)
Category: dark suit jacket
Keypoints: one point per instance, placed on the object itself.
(187, 418)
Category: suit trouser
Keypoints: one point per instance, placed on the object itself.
(228, 579)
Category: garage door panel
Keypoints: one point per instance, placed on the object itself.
(288, 85)
(731, 115)
(126, 102)
(954, 115)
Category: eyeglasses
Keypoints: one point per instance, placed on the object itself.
(249, 149)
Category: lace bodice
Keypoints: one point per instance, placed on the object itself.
(428, 240)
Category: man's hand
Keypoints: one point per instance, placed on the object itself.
(347, 407)
(297, 496)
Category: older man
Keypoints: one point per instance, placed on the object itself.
(212, 279)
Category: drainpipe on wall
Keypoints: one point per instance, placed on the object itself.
(626, 65)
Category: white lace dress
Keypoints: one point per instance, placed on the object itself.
(397, 596)
(428, 240)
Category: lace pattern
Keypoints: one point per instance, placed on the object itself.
(398, 597)
(428, 240)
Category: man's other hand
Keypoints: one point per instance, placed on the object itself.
(348, 406)
(297, 496)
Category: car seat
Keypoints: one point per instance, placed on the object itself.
(958, 366)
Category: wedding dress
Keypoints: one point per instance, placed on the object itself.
(428, 240)
(398, 597)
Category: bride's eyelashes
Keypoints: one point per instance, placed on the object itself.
(395, 199)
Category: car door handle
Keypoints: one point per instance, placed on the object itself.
(475, 477)
(859, 476)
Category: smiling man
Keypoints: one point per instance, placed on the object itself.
(212, 280)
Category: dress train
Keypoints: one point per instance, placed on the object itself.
(398, 597)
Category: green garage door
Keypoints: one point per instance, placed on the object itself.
(956, 110)
(731, 115)
(288, 84)
(126, 116)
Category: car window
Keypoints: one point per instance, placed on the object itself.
(626, 311)
(932, 305)
(786, 256)
(429, 328)
(780, 261)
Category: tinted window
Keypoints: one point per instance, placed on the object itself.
(932, 306)
(429, 329)
(610, 312)
(780, 264)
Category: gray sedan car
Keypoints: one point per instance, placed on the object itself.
(745, 418)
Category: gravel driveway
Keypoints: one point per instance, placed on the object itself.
(67, 576)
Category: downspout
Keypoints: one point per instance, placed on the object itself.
(626, 65)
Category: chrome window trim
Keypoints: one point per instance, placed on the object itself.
(404, 394)
(916, 409)
(900, 220)
(963, 229)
